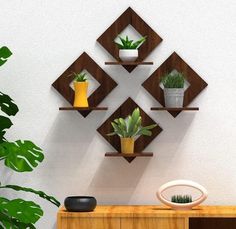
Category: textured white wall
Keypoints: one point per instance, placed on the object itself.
(47, 36)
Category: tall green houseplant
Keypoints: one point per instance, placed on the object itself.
(20, 156)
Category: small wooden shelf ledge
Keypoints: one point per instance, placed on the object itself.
(82, 108)
(175, 109)
(128, 63)
(112, 154)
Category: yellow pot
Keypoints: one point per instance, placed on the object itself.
(127, 145)
(81, 89)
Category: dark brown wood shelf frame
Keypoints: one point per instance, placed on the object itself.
(133, 155)
(175, 62)
(123, 111)
(83, 108)
(128, 63)
(130, 17)
(85, 62)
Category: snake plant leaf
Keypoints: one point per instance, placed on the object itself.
(39, 193)
(5, 53)
(22, 210)
(7, 105)
(22, 156)
(5, 123)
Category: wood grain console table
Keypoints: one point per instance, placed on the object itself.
(148, 217)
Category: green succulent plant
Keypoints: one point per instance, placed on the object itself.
(131, 126)
(173, 80)
(20, 156)
(130, 44)
(80, 77)
(181, 199)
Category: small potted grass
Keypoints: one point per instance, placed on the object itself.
(173, 89)
(81, 89)
(128, 49)
(127, 129)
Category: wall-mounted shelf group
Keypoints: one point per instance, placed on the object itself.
(107, 84)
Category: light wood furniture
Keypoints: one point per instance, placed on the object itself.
(149, 217)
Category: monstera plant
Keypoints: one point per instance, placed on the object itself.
(20, 156)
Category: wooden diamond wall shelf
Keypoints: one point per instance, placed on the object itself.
(175, 62)
(130, 17)
(123, 111)
(107, 84)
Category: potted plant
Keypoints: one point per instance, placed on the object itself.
(127, 129)
(181, 202)
(81, 88)
(173, 89)
(128, 49)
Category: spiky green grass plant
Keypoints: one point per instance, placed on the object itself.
(126, 43)
(173, 80)
(181, 199)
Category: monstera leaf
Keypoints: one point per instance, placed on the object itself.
(7, 105)
(5, 123)
(21, 156)
(19, 211)
(39, 193)
(4, 54)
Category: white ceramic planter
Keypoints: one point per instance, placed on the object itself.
(174, 97)
(178, 206)
(128, 54)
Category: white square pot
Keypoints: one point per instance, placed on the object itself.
(128, 54)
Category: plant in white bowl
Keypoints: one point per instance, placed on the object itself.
(128, 49)
(182, 202)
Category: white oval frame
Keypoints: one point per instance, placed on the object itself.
(188, 183)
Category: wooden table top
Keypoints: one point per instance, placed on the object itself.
(151, 211)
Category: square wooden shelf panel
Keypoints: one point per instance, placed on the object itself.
(83, 108)
(85, 62)
(130, 17)
(123, 111)
(175, 62)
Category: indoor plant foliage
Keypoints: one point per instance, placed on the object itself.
(81, 89)
(20, 156)
(128, 49)
(181, 199)
(130, 127)
(173, 89)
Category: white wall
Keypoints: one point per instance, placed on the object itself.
(47, 36)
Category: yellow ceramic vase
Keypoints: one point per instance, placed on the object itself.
(127, 145)
(81, 89)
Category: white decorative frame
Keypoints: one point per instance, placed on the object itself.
(188, 183)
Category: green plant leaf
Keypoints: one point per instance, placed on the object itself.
(145, 132)
(5, 123)
(136, 44)
(7, 105)
(22, 210)
(5, 53)
(39, 193)
(150, 127)
(173, 80)
(21, 156)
